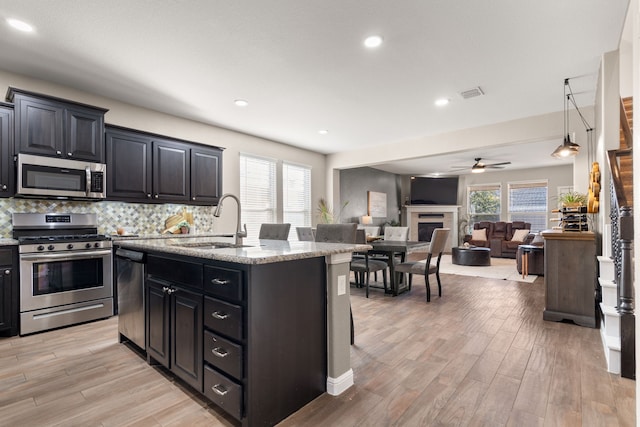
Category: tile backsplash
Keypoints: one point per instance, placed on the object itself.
(138, 217)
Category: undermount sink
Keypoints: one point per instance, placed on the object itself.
(209, 245)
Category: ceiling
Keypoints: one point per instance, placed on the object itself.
(303, 68)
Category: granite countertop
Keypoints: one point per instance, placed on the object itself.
(8, 242)
(252, 251)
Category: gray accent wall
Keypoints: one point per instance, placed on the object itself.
(354, 185)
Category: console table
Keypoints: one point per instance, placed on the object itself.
(570, 277)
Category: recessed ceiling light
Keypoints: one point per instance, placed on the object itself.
(20, 25)
(373, 41)
(241, 102)
(323, 131)
(442, 102)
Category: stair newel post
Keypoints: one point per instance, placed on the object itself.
(626, 299)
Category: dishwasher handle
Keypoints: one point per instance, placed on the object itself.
(131, 255)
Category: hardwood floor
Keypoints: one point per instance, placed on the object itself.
(480, 355)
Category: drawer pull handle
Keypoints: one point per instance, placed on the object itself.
(219, 315)
(219, 389)
(220, 352)
(220, 281)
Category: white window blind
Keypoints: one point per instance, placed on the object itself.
(257, 192)
(528, 203)
(483, 203)
(296, 195)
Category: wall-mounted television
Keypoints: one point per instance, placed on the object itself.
(434, 191)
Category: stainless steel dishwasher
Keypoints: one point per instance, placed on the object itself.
(130, 268)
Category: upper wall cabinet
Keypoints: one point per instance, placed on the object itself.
(6, 150)
(57, 127)
(145, 167)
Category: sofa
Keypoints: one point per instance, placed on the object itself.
(502, 238)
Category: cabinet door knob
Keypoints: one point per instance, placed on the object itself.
(193, 198)
(156, 196)
(148, 195)
(7, 272)
(69, 154)
(220, 282)
(4, 186)
(166, 289)
(171, 290)
(59, 153)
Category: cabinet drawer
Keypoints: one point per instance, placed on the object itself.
(223, 317)
(6, 257)
(223, 282)
(223, 354)
(223, 392)
(177, 271)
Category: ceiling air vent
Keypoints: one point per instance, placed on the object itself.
(472, 93)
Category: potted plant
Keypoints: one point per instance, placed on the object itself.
(326, 214)
(184, 226)
(572, 199)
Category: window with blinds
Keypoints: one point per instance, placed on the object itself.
(296, 197)
(483, 203)
(257, 192)
(528, 203)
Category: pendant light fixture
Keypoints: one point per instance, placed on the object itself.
(568, 147)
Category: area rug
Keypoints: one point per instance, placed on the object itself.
(501, 268)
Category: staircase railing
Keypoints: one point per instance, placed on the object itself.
(622, 250)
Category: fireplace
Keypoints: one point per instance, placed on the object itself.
(422, 219)
(425, 230)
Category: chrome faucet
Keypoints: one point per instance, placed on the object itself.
(239, 234)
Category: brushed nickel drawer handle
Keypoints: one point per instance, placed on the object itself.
(219, 315)
(219, 389)
(220, 352)
(220, 281)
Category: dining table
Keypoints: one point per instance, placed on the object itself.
(393, 248)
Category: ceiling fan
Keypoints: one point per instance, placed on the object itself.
(479, 167)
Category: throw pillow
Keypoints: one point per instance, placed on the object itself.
(520, 235)
(479, 234)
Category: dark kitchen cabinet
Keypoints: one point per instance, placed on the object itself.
(174, 318)
(251, 342)
(128, 165)
(206, 175)
(57, 127)
(9, 290)
(7, 165)
(171, 171)
(144, 167)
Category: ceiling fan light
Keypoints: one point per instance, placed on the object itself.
(477, 169)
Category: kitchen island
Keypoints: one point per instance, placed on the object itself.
(260, 328)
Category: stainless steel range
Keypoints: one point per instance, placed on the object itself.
(66, 270)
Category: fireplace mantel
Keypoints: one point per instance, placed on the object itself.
(449, 218)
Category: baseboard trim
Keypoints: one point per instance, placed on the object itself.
(336, 386)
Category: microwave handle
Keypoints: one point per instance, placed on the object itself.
(88, 187)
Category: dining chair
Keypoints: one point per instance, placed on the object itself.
(425, 267)
(396, 233)
(274, 231)
(363, 265)
(305, 234)
(338, 233)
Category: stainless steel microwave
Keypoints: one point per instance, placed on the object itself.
(60, 178)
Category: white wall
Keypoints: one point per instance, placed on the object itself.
(152, 121)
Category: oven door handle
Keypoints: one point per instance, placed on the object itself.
(64, 256)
